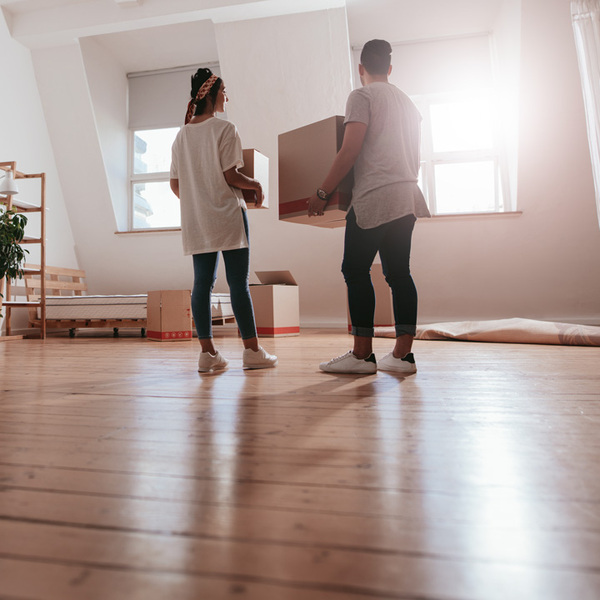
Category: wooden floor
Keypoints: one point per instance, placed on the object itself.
(125, 474)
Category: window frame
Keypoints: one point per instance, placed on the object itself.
(137, 178)
(430, 159)
(144, 115)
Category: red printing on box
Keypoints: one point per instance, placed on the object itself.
(337, 200)
(170, 335)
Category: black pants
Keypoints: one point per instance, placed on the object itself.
(392, 240)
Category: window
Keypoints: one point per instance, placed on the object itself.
(153, 206)
(461, 170)
(157, 105)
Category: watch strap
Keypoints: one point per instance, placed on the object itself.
(322, 195)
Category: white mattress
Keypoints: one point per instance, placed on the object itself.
(221, 306)
(117, 307)
(96, 307)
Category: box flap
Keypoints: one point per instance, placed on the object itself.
(275, 278)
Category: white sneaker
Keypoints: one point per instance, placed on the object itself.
(406, 365)
(208, 362)
(349, 363)
(260, 359)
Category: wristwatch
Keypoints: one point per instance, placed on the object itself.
(322, 195)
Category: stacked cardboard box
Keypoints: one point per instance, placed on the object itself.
(305, 157)
(169, 315)
(256, 166)
(276, 304)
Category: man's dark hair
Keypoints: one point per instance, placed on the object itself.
(199, 77)
(376, 57)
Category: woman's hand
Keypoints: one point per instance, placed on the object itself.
(259, 195)
(316, 206)
(238, 180)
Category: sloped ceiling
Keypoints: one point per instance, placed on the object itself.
(156, 33)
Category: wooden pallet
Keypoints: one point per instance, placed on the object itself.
(61, 281)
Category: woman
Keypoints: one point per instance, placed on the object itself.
(206, 155)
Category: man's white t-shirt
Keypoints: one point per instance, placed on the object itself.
(387, 168)
(211, 210)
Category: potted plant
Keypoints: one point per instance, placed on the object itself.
(12, 255)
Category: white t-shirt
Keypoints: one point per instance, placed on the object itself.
(387, 168)
(211, 210)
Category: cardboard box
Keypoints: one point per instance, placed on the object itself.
(384, 306)
(276, 304)
(169, 315)
(256, 165)
(305, 157)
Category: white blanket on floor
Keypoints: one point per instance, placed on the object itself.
(514, 331)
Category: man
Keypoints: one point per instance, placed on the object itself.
(382, 143)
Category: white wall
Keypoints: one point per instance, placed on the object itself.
(107, 82)
(449, 65)
(24, 139)
(556, 191)
(401, 20)
(114, 263)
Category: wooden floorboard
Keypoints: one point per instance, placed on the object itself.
(124, 473)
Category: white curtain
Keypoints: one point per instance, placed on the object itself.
(586, 25)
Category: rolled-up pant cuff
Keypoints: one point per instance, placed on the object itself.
(406, 330)
(363, 331)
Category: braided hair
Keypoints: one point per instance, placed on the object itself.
(201, 76)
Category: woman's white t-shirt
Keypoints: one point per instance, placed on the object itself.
(211, 210)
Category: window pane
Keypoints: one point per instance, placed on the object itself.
(464, 125)
(155, 205)
(421, 181)
(152, 150)
(465, 187)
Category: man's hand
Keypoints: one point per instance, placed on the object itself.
(316, 206)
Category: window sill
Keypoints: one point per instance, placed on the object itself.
(452, 216)
(153, 230)
(508, 213)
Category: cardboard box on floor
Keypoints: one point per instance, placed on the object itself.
(169, 315)
(305, 157)
(276, 304)
(384, 306)
(256, 165)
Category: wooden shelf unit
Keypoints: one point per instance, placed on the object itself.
(25, 206)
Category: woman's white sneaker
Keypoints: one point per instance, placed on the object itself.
(209, 362)
(406, 365)
(350, 363)
(260, 359)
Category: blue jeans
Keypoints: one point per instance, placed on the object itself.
(392, 240)
(237, 270)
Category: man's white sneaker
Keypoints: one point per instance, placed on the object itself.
(260, 359)
(209, 362)
(405, 366)
(350, 363)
